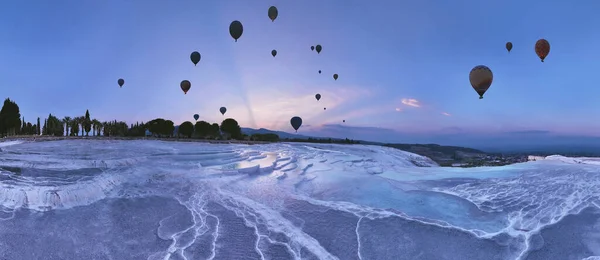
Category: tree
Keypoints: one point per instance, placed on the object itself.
(67, 121)
(10, 118)
(160, 127)
(270, 137)
(169, 128)
(186, 128)
(139, 129)
(79, 121)
(44, 129)
(215, 130)
(202, 129)
(39, 127)
(87, 123)
(30, 128)
(156, 126)
(54, 126)
(75, 127)
(232, 127)
(95, 129)
(115, 128)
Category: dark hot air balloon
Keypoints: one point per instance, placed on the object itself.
(312, 48)
(542, 48)
(509, 46)
(296, 122)
(121, 82)
(335, 76)
(196, 116)
(318, 48)
(324, 108)
(344, 120)
(319, 71)
(195, 57)
(185, 86)
(481, 79)
(273, 13)
(236, 29)
(223, 110)
(318, 96)
(274, 53)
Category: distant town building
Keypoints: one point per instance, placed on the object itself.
(535, 158)
(459, 164)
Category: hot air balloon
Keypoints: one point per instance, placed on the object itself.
(318, 96)
(335, 76)
(223, 110)
(542, 48)
(312, 48)
(273, 13)
(319, 71)
(481, 79)
(196, 116)
(195, 57)
(296, 122)
(324, 108)
(318, 48)
(185, 86)
(274, 53)
(121, 82)
(236, 29)
(344, 120)
(509, 46)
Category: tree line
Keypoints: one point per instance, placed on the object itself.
(12, 123)
(322, 140)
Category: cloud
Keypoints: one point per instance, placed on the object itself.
(446, 114)
(411, 102)
(399, 109)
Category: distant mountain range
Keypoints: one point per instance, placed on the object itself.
(281, 134)
(285, 135)
(430, 150)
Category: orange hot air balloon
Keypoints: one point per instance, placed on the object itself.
(542, 48)
(185, 86)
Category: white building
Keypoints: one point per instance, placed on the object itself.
(459, 164)
(535, 158)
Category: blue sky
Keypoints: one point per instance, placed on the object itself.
(403, 65)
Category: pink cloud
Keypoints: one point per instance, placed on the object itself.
(411, 102)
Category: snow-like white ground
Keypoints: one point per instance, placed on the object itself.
(96, 199)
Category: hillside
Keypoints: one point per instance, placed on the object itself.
(285, 135)
(443, 155)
